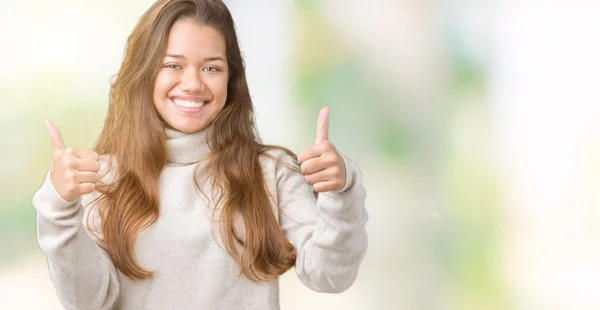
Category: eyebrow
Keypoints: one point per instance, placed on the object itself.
(214, 58)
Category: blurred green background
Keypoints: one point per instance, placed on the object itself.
(475, 123)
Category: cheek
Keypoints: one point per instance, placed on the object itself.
(221, 89)
(162, 85)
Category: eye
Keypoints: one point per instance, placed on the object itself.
(172, 66)
(210, 69)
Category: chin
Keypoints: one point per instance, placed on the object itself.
(188, 128)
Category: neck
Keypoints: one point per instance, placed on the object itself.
(186, 148)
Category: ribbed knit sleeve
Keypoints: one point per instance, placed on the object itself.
(82, 272)
(327, 231)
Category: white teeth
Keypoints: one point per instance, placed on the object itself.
(188, 104)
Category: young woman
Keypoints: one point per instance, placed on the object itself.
(186, 208)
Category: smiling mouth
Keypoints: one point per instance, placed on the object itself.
(189, 104)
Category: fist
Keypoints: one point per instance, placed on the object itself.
(74, 171)
(322, 166)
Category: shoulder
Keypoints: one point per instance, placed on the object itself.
(281, 168)
(277, 157)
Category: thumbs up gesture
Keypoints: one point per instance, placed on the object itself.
(74, 171)
(322, 166)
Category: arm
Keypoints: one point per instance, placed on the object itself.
(82, 272)
(328, 232)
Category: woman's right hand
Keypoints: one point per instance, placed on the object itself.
(74, 171)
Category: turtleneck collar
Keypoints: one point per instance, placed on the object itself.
(186, 148)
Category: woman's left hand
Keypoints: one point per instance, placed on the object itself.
(321, 164)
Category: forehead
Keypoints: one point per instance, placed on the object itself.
(193, 40)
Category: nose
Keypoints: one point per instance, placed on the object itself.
(191, 82)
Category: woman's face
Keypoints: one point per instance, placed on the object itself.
(191, 87)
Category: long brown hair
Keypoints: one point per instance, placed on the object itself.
(134, 138)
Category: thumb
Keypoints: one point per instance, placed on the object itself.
(322, 126)
(57, 141)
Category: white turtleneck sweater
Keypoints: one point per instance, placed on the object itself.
(191, 269)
